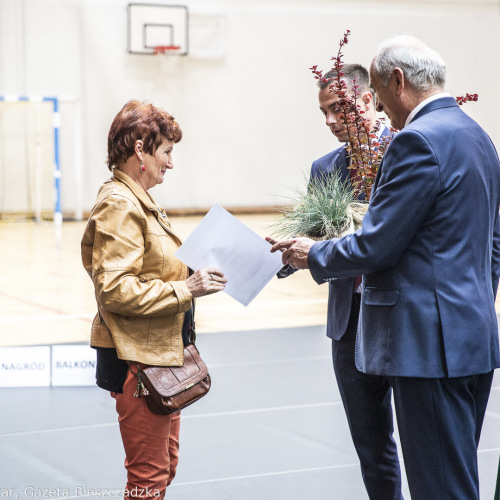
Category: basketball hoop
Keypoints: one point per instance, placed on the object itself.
(166, 49)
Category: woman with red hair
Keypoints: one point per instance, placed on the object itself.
(144, 293)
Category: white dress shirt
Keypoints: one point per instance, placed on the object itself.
(424, 103)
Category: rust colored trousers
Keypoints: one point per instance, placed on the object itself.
(151, 444)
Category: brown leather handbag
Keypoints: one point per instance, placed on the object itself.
(168, 389)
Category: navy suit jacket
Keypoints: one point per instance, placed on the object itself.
(340, 291)
(427, 252)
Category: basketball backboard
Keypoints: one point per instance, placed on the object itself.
(156, 25)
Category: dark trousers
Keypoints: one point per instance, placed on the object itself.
(367, 403)
(440, 423)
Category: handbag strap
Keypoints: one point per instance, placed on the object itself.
(192, 327)
(189, 330)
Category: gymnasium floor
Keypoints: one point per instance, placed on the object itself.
(47, 297)
(272, 426)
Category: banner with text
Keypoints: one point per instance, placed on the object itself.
(42, 366)
(73, 365)
(25, 366)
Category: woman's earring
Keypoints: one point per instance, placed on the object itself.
(143, 168)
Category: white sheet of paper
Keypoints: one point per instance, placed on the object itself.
(220, 240)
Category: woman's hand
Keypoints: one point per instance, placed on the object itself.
(206, 281)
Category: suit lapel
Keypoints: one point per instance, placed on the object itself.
(377, 177)
(385, 132)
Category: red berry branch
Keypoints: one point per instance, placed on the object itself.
(467, 98)
(364, 147)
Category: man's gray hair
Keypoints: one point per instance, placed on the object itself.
(352, 72)
(422, 67)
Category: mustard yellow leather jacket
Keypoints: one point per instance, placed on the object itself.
(128, 250)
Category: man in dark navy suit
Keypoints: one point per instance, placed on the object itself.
(429, 250)
(366, 398)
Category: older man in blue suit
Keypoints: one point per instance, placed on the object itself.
(366, 398)
(429, 253)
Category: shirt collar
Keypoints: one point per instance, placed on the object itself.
(424, 103)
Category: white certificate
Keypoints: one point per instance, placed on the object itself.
(220, 240)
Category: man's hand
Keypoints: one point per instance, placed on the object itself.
(295, 251)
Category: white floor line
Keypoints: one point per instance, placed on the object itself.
(492, 414)
(57, 429)
(265, 474)
(184, 417)
(269, 361)
(489, 450)
(47, 317)
(238, 478)
(261, 410)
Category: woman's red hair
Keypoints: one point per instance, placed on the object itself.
(139, 121)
